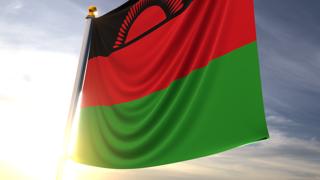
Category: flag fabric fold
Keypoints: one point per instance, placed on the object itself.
(170, 80)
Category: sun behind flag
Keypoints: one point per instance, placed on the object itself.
(170, 80)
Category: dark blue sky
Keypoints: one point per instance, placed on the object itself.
(289, 42)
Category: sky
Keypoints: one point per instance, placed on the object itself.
(39, 47)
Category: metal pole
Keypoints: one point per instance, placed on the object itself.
(77, 88)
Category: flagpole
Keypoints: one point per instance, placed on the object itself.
(77, 88)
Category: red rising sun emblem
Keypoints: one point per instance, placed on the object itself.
(143, 16)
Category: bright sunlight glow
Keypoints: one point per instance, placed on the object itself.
(96, 13)
(34, 99)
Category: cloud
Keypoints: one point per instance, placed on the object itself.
(13, 7)
(279, 120)
(45, 25)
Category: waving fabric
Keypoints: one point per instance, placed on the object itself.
(170, 80)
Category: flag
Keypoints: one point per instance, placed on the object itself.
(168, 81)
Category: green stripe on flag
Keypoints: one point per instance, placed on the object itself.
(213, 109)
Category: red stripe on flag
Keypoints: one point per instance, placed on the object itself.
(206, 30)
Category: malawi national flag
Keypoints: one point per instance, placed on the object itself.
(170, 80)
